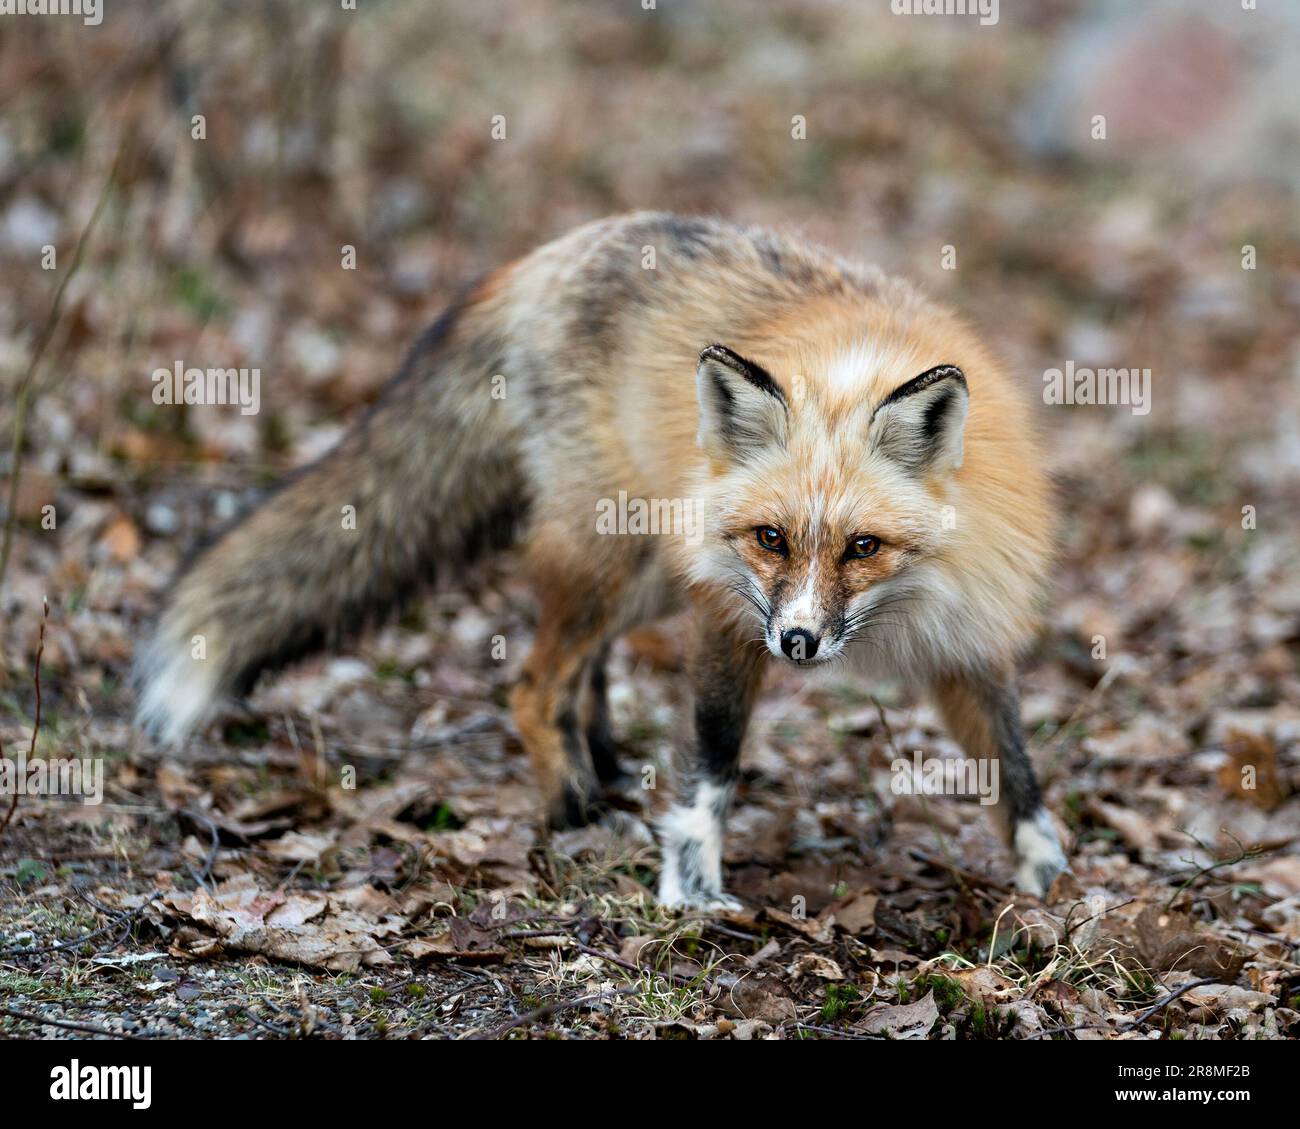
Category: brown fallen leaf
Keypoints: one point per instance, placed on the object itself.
(1214, 1002)
(902, 1021)
(36, 490)
(121, 540)
(816, 929)
(855, 913)
(339, 931)
(201, 820)
(177, 788)
(1168, 941)
(462, 939)
(269, 804)
(814, 964)
(894, 958)
(1134, 828)
(1251, 770)
(984, 985)
(759, 997)
(301, 846)
(485, 841)
(770, 951)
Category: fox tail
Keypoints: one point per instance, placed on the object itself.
(427, 480)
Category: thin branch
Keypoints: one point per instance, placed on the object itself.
(1132, 1024)
(36, 727)
(87, 1027)
(561, 1005)
(28, 382)
(1244, 854)
(126, 918)
(1141, 1019)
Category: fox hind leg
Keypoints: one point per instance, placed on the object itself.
(983, 714)
(547, 703)
(596, 723)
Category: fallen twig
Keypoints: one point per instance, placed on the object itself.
(124, 918)
(36, 725)
(1141, 1019)
(87, 1027)
(23, 395)
(558, 1006)
(1132, 1024)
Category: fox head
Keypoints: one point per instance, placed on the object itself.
(826, 512)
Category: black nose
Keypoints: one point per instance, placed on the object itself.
(799, 644)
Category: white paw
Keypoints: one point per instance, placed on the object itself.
(1039, 856)
(701, 902)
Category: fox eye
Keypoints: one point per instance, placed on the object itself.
(771, 538)
(861, 547)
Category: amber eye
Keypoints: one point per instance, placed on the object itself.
(771, 538)
(861, 547)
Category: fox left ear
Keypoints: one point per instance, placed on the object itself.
(920, 424)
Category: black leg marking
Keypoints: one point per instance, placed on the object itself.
(1039, 858)
(600, 736)
(1020, 796)
(692, 831)
(580, 803)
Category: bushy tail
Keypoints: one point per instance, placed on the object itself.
(427, 480)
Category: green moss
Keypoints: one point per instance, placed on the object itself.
(839, 999)
(30, 870)
(196, 295)
(443, 819)
(246, 733)
(948, 993)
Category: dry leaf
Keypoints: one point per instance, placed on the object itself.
(902, 1021)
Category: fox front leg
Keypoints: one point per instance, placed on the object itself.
(725, 675)
(983, 713)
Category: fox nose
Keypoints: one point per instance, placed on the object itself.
(798, 644)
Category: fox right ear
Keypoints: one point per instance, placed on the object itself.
(742, 409)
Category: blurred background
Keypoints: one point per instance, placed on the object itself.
(1096, 183)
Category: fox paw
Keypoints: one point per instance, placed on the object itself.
(676, 894)
(577, 805)
(1039, 858)
(701, 902)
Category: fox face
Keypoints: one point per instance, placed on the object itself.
(822, 514)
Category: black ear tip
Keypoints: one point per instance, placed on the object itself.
(928, 379)
(754, 373)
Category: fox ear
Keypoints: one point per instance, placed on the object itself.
(742, 409)
(920, 424)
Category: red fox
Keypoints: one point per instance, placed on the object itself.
(847, 471)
